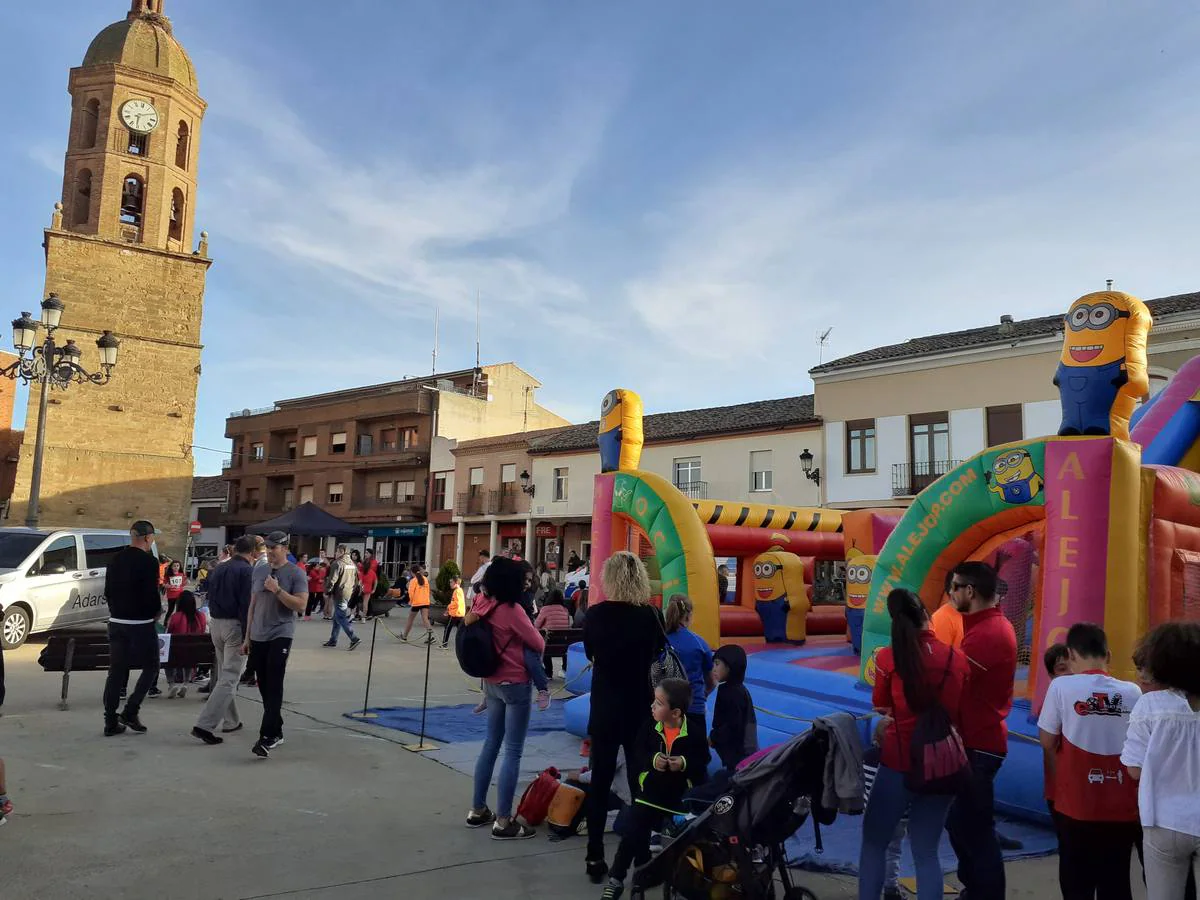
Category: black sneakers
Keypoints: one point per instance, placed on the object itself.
(113, 728)
(354, 643)
(207, 736)
(132, 722)
(263, 747)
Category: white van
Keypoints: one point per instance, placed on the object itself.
(53, 578)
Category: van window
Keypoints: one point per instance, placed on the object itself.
(101, 548)
(16, 546)
(61, 552)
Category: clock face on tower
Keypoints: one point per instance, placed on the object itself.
(139, 116)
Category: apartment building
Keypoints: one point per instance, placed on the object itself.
(748, 452)
(493, 503)
(377, 456)
(897, 417)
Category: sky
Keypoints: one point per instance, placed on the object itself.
(674, 197)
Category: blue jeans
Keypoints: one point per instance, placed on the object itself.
(508, 707)
(926, 819)
(341, 621)
(536, 670)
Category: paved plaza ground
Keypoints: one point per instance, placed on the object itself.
(339, 811)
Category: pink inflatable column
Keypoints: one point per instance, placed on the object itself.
(602, 533)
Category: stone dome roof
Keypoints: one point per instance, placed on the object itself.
(143, 42)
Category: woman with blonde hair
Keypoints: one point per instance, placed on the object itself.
(621, 637)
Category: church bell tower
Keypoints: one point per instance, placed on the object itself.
(121, 255)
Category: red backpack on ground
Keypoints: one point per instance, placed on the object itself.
(535, 802)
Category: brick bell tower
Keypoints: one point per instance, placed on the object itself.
(120, 255)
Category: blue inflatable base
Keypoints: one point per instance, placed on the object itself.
(787, 697)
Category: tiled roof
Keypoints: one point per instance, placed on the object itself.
(1020, 330)
(209, 487)
(504, 440)
(692, 423)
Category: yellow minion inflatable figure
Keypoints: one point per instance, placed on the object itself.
(620, 431)
(1013, 477)
(781, 597)
(1102, 371)
(860, 568)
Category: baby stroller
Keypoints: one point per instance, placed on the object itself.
(735, 848)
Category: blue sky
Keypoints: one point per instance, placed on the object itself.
(674, 197)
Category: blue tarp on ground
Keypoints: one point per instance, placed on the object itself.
(843, 841)
(450, 724)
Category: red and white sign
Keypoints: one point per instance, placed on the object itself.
(545, 530)
(195, 528)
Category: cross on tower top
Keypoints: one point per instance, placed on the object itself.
(145, 7)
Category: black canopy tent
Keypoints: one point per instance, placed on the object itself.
(309, 520)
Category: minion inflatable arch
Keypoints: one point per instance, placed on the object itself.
(626, 497)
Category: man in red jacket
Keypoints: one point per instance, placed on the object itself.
(990, 645)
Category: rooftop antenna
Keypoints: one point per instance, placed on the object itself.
(1108, 284)
(822, 341)
(478, 371)
(437, 314)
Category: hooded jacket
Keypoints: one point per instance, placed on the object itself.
(734, 733)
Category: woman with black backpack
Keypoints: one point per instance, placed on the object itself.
(918, 688)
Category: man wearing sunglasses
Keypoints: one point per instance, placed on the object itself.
(990, 645)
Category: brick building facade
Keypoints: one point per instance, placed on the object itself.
(119, 253)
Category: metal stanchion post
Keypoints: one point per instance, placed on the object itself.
(370, 666)
(422, 745)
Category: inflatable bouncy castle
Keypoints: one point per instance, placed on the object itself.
(1100, 522)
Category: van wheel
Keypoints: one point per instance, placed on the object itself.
(14, 627)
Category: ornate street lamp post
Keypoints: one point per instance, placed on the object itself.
(54, 368)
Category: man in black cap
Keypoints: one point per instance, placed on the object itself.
(134, 604)
(280, 591)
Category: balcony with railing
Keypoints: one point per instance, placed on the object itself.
(504, 502)
(694, 490)
(470, 503)
(909, 479)
(402, 506)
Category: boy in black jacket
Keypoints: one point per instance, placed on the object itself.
(669, 758)
(734, 726)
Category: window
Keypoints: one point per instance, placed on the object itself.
(387, 439)
(860, 446)
(335, 492)
(337, 442)
(181, 147)
(405, 491)
(1004, 424)
(101, 548)
(175, 229)
(560, 484)
(306, 493)
(929, 435)
(408, 438)
(138, 145)
(687, 471)
(256, 452)
(384, 489)
(761, 476)
(508, 476)
(62, 553)
(291, 449)
(82, 208)
(207, 516)
(91, 124)
(132, 201)
(476, 480)
(439, 492)
(289, 498)
(310, 446)
(366, 445)
(252, 498)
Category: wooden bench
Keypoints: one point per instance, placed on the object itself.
(87, 651)
(557, 642)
